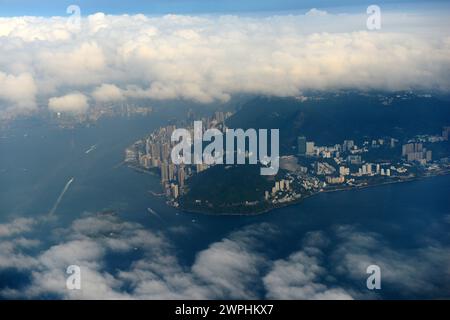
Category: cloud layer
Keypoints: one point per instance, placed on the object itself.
(205, 59)
(326, 265)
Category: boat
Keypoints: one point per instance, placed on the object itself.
(92, 148)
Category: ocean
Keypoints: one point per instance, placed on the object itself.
(37, 162)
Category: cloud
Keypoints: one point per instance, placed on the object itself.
(418, 271)
(108, 93)
(324, 265)
(232, 267)
(70, 103)
(229, 268)
(17, 226)
(211, 58)
(303, 275)
(299, 277)
(20, 91)
(316, 13)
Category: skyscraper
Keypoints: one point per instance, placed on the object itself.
(164, 172)
(301, 145)
(310, 148)
(174, 190)
(181, 177)
(171, 174)
(154, 149)
(445, 133)
(348, 145)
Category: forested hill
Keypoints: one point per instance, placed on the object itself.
(332, 118)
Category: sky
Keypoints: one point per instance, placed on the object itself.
(57, 7)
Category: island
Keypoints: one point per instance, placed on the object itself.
(307, 167)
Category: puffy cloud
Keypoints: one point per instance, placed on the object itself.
(20, 91)
(302, 275)
(299, 277)
(17, 226)
(417, 271)
(232, 267)
(71, 103)
(108, 93)
(210, 58)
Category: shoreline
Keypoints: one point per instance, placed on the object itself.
(283, 205)
(291, 203)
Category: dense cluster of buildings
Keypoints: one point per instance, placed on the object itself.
(348, 164)
(316, 167)
(154, 153)
(416, 152)
(313, 169)
(338, 162)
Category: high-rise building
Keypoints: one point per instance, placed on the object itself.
(148, 146)
(146, 161)
(181, 177)
(446, 133)
(165, 151)
(200, 167)
(310, 148)
(219, 116)
(392, 143)
(415, 152)
(174, 190)
(171, 173)
(301, 145)
(164, 172)
(348, 145)
(155, 151)
(354, 159)
(407, 148)
(344, 171)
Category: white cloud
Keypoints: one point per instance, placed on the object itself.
(18, 91)
(299, 277)
(418, 271)
(211, 58)
(108, 93)
(303, 275)
(71, 103)
(17, 226)
(316, 13)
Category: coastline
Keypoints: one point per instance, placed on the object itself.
(272, 207)
(348, 188)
